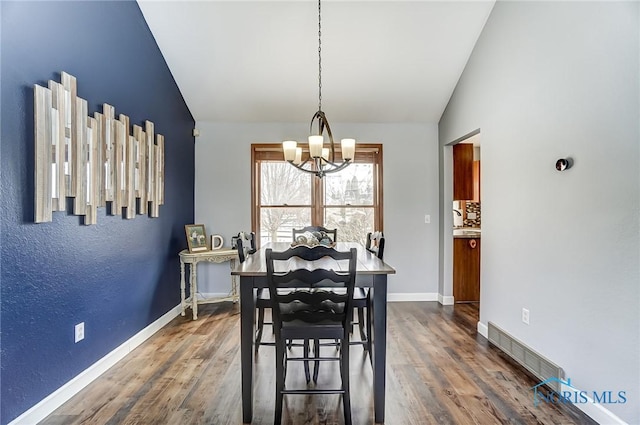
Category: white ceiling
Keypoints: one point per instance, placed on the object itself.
(257, 61)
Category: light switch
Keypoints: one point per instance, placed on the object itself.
(472, 216)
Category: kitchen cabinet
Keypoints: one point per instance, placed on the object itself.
(466, 269)
(476, 181)
(463, 171)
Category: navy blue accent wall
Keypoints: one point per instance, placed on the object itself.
(117, 276)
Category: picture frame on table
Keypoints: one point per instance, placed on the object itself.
(196, 237)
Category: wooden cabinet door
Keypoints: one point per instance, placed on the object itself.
(466, 270)
(476, 181)
(463, 171)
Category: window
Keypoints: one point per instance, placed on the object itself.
(284, 198)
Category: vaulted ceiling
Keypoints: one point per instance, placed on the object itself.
(257, 61)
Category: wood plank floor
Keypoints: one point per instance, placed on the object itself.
(439, 372)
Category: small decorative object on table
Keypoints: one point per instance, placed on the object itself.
(220, 241)
(312, 239)
(196, 237)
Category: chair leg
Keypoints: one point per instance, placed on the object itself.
(260, 327)
(316, 364)
(361, 325)
(370, 334)
(344, 371)
(280, 359)
(306, 362)
(370, 329)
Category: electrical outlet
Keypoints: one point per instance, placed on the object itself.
(427, 219)
(79, 332)
(525, 316)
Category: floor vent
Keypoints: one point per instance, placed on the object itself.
(535, 363)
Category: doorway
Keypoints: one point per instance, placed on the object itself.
(463, 231)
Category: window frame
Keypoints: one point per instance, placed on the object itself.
(368, 153)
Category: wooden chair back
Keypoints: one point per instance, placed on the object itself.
(313, 298)
(246, 243)
(375, 243)
(332, 233)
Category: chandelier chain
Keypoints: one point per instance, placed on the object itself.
(319, 57)
(321, 160)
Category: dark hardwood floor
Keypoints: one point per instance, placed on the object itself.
(439, 372)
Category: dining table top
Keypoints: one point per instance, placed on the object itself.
(367, 262)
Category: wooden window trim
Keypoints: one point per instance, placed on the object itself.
(370, 153)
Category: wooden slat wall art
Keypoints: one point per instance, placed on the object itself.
(154, 206)
(160, 168)
(108, 112)
(71, 131)
(98, 132)
(42, 176)
(131, 177)
(93, 172)
(81, 158)
(142, 164)
(137, 130)
(58, 155)
(118, 182)
(123, 164)
(151, 170)
(94, 160)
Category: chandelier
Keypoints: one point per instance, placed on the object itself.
(321, 160)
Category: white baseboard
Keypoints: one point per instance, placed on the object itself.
(60, 396)
(483, 329)
(415, 296)
(445, 299)
(595, 410)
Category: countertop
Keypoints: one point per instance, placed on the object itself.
(467, 232)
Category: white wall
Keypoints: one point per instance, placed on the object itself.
(223, 196)
(548, 80)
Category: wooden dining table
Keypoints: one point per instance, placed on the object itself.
(371, 272)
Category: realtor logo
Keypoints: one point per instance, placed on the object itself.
(570, 394)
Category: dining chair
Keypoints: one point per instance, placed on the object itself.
(246, 244)
(305, 305)
(362, 299)
(318, 232)
(375, 243)
(332, 233)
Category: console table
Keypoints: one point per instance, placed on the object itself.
(193, 258)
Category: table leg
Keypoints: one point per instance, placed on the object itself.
(379, 344)
(183, 304)
(194, 289)
(247, 311)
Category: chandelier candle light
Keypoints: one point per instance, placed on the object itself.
(321, 160)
